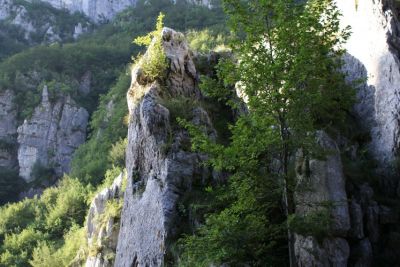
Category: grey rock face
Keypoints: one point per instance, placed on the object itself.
(357, 224)
(320, 182)
(160, 167)
(8, 129)
(102, 229)
(14, 13)
(332, 252)
(371, 57)
(51, 136)
(96, 10)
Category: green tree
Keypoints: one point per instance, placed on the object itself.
(288, 67)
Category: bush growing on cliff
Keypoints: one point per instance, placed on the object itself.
(154, 62)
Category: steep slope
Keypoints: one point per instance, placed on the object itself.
(160, 165)
(103, 224)
(373, 57)
(50, 137)
(24, 23)
(96, 10)
(321, 183)
(368, 233)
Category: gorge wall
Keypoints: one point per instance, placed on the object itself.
(365, 214)
(46, 141)
(102, 10)
(49, 138)
(52, 25)
(372, 55)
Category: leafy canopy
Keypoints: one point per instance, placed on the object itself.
(288, 62)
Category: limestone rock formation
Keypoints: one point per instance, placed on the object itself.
(321, 183)
(34, 27)
(51, 135)
(8, 129)
(96, 10)
(103, 225)
(372, 56)
(160, 165)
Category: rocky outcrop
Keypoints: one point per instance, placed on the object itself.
(321, 187)
(51, 135)
(321, 183)
(45, 28)
(160, 166)
(207, 3)
(8, 130)
(96, 10)
(372, 57)
(102, 225)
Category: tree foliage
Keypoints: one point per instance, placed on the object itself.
(288, 62)
(154, 62)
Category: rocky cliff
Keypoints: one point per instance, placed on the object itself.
(49, 138)
(50, 26)
(160, 166)
(96, 10)
(373, 50)
(46, 141)
(321, 188)
(103, 222)
(363, 229)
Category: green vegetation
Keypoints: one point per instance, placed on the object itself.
(90, 161)
(41, 174)
(11, 40)
(49, 230)
(33, 222)
(288, 63)
(207, 40)
(154, 63)
(40, 15)
(61, 68)
(46, 255)
(10, 185)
